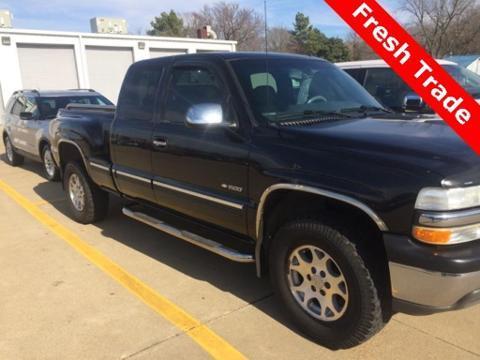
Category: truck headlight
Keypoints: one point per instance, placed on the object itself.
(438, 199)
(447, 216)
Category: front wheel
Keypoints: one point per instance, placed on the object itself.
(325, 284)
(87, 202)
(13, 158)
(51, 170)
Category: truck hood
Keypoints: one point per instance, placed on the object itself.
(424, 145)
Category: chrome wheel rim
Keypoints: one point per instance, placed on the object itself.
(9, 149)
(317, 283)
(48, 163)
(76, 192)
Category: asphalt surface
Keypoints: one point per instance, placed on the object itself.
(57, 304)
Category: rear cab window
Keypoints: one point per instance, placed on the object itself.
(139, 93)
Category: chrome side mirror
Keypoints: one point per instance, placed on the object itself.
(206, 114)
(413, 103)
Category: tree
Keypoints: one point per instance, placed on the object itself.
(309, 40)
(280, 39)
(168, 24)
(359, 50)
(231, 22)
(336, 50)
(443, 26)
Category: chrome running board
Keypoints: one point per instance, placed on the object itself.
(194, 239)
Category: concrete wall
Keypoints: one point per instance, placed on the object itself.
(10, 74)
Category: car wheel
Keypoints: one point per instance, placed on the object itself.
(50, 168)
(325, 284)
(13, 158)
(87, 202)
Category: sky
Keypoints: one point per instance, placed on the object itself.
(74, 15)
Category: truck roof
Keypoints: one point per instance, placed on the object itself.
(58, 93)
(378, 64)
(234, 56)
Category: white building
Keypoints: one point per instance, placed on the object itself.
(31, 59)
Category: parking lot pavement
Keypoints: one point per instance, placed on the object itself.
(57, 304)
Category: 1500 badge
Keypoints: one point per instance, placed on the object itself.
(232, 187)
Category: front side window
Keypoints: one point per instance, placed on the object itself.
(292, 87)
(18, 106)
(191, 86)
(138, 96)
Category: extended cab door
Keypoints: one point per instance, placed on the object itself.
(131, 133)
(200, 171)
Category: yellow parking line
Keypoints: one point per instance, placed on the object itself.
(217, 347)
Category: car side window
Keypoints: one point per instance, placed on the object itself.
(18, 106)
(138, 96)
(387, 87)
(192, 86)
(357, 74)
(31, 106)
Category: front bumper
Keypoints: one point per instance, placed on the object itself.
(427, 279)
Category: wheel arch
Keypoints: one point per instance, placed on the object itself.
(280, 196)
(68, 151)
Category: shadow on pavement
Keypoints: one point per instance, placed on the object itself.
(237, 279)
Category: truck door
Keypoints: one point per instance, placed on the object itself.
(200, 171)
(131, 132)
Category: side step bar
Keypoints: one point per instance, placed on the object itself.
(194, 239)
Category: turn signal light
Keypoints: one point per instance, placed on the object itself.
(432, 235)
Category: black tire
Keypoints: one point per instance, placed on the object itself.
(50, 169)
(95, 200)
(13, 158)
(362, 315)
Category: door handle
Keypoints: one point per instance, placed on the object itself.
(160, 143)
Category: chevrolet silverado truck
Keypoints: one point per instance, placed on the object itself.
(286, 162)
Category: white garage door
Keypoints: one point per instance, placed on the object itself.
(47, 67)
(156, 53)
(107, 67)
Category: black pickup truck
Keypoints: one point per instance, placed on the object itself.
(287, 162)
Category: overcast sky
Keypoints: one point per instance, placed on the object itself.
(74, 15)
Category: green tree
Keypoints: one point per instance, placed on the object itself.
(309, 40)
(167, 24)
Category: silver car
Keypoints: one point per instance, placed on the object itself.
(27, 117)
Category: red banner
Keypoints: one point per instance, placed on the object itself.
(414, 65)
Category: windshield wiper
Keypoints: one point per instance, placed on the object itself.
(311, 115)
(364, 109)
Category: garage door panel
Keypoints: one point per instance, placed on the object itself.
(47, 66)
(107, 67)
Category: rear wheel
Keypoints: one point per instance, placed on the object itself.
(13, 158)
(50, 168)
(87, 202)
(324, 284)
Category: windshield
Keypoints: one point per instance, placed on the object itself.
(283, 88)
(466, 78)
(49, 106)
